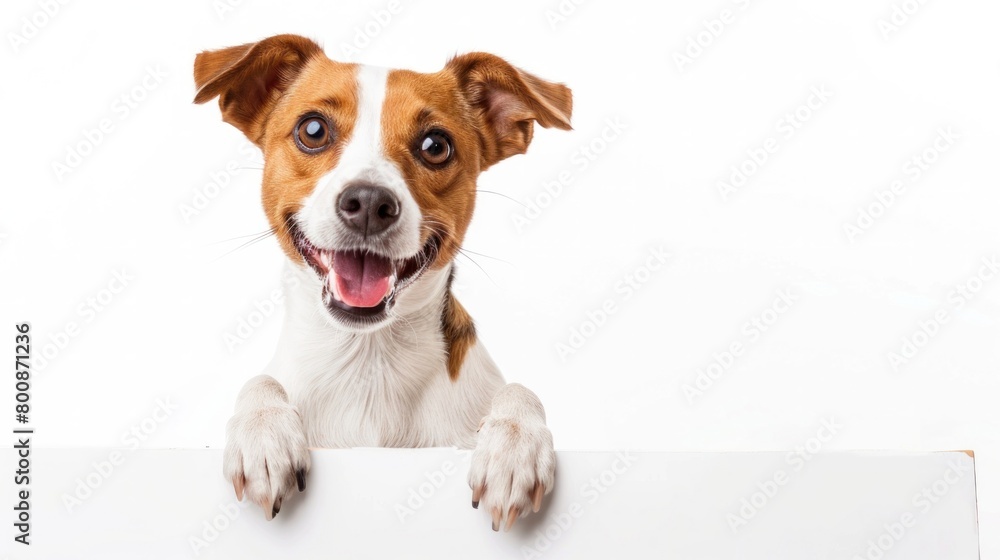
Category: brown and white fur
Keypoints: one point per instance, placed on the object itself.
(405, 370)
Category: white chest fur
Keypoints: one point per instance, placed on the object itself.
(388, 387)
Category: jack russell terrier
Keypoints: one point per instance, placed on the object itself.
(369, 185)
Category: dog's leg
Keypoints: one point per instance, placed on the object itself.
(514, 462)
(266, 455)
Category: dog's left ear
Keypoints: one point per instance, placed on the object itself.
(509, 101)
(248, 79)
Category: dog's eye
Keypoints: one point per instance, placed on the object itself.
(313, 134)
(435, 148)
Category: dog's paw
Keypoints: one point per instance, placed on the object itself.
(513, 467)
(266, 457)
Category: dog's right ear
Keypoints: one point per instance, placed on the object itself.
(508, 101)
(248, 79)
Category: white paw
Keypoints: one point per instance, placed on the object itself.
(513, 466)
(266, 457)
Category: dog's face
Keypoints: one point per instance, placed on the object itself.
(370, 174)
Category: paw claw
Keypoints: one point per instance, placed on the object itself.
(276, 508)
(238, 483)
(300, 479)
(512, 467)
(512, 517)
(536, 497)
(477, 494)
(266, 456)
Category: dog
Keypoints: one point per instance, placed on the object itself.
(369, 185)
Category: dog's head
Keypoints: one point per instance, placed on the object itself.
(370, 174)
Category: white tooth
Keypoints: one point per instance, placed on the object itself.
(333, 287)
(325, 257)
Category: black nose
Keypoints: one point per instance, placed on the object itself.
(368, 209)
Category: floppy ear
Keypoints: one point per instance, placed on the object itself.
(248, 79)
(509, 101)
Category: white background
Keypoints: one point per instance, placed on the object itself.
(63, 237)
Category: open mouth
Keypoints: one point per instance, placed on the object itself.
(362, 283)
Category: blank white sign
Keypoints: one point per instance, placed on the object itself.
(403, 503)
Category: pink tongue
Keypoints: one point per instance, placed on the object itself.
(362, 280)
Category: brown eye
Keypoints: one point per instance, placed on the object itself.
(312, 134)
(435, 148)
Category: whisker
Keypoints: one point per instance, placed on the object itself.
(480, 268)
(503, 195)
(399, 316)
(464, 250)
(270, 230)
(432, 221)
(259, 238)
